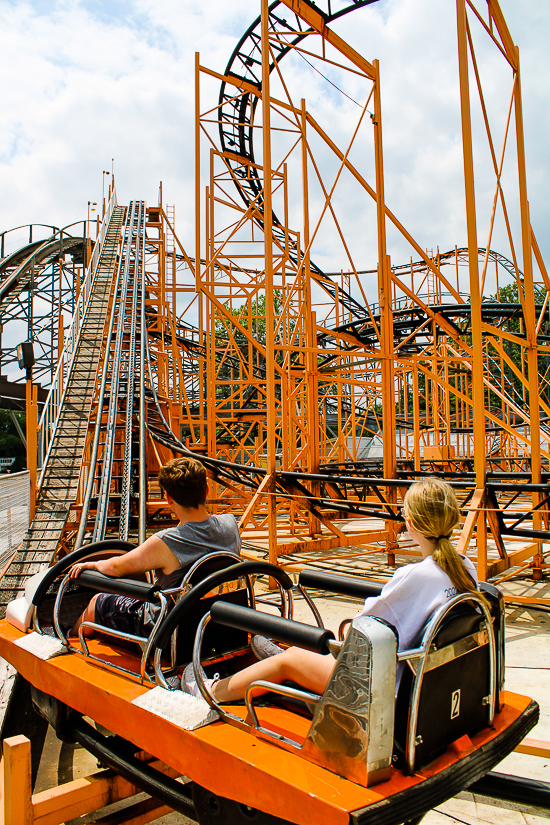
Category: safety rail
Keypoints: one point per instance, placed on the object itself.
(99, 242)
(50, 413)
(17, 243)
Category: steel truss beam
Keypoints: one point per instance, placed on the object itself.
(312, 406)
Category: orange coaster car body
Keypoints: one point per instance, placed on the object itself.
(238, 765)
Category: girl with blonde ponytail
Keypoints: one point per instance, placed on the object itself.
(416, 591)
(407, 601)
(431, 510)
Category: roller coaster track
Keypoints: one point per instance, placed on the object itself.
(127, 400)
(236, 122)
(407, 321)
(447, 257)
(236, 131)
(122, 365)
(17, 270)
(37, 281)
(62, 465)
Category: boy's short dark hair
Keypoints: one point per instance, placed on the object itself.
(184, 479)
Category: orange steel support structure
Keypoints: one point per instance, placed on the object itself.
(280, 355)
(302, 379)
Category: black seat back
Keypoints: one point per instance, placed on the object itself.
(214, 643)
(454, 688)
(96, 549)
(218, 639)
(76, 596)
(453, 696)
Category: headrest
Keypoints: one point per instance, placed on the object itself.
(462, 621)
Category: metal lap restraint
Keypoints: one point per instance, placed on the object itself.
(125, 587)
(352, 729)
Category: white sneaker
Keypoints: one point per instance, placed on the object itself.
(189, 683)
(263, 648)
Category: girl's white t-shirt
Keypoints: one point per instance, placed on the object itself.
(410, 597)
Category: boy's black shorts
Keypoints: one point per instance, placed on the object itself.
(120, 613)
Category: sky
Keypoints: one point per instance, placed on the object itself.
(85, 81)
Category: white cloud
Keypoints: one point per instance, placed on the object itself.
(84, 82)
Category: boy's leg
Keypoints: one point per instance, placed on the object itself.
(311, 670)
(87, 616)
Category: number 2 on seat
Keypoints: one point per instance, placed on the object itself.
(455, 704)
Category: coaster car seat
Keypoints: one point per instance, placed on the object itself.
(452, 692)
(216, 575)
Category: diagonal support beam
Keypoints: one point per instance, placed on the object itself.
(260, 493)
(314, 18)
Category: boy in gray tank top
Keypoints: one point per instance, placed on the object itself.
(169, 553)
(191, 541)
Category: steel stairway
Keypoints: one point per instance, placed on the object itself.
(63, 463)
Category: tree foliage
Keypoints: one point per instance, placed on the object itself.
(10, 442)
(251, 317)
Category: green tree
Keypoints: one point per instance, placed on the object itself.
(252, 318)
(10, 442)
(507, 294)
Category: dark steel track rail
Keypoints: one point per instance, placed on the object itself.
(236, 120)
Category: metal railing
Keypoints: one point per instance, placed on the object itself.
(52, 406)
(14, 512)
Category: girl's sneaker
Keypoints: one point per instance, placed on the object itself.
(263, 648)
(189, 683)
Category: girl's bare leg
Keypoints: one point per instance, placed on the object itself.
(311, 670)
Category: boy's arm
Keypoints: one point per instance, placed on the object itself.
(153, 554)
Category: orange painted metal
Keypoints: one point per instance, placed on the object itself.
(254, 363)
(439, 390)
(229, 762)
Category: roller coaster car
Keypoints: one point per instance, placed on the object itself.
(53, 602)
(354, 755)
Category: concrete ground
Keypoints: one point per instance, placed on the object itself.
(527, 666)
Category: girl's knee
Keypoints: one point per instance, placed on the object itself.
(292, 655)
(285, 663)
(291, 662)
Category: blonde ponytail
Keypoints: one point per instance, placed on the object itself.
(448, 559)
(433, 510)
